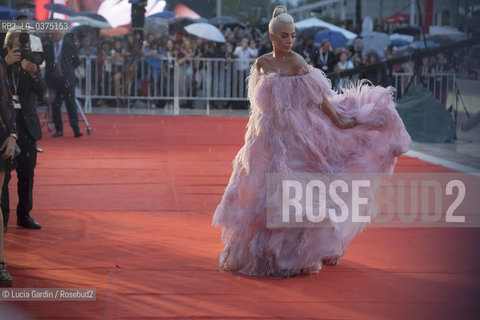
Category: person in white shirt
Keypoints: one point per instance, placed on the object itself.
(244, 53)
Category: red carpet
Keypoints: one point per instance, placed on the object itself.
(128, 211)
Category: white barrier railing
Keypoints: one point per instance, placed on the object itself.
(196, 79)
(200, 80)
(440, 84)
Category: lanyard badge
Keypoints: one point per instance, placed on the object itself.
(16, 102)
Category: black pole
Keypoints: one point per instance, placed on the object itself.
(51, 11)
(420, 20)
(358, 15)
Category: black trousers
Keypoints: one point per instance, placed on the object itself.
(25, 164)
(64, 92)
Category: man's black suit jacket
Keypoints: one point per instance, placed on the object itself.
(69, 61)
(331, 61)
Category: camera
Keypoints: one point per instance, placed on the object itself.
(26, 52)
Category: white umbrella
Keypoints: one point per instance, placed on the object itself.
(205, 31)
(90, 19)
(403, 37)
(315, 22)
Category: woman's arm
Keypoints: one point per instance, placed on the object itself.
(333, 115)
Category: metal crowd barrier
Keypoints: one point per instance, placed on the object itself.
(201, 80)
(441, 85)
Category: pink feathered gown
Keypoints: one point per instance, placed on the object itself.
(289, 132)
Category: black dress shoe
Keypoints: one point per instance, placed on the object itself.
(6, 279)
(58, 134)
(4, 228)
(78, 134)
(29, 223)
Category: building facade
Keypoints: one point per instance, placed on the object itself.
(445, 12)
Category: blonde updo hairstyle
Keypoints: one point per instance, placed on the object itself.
(280, 15)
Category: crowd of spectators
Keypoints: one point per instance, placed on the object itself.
(120, 57)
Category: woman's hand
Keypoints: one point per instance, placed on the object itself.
(9, 147)
(342, 124)
(330, 111)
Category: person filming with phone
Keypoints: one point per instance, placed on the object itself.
(26, 86)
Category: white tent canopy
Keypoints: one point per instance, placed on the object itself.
(315, 22)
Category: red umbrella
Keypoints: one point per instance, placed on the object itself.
(398, 18)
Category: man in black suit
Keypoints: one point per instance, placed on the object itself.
(61, 59)
(324, 58)
(26, 87)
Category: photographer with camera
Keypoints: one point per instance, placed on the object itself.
(26, 87)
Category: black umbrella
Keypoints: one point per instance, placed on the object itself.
(410, 30)
(227, 22)
(82, 29)
(309, 32)
(176, 25)
(442, 40)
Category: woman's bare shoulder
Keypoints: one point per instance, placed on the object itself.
(263, 60)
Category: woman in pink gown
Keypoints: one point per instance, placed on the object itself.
(298, 124)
